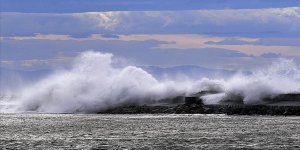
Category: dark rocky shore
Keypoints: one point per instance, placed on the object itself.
(208, 109)
(194, 105)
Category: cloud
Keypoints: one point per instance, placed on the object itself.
(113, 36)
(274, 22)
(104, 20)
(137, 49)
(33, 64)
(229, 41)
(71, 6)
(248, 46)
(62, 37)
(178, 41)
(143, 52)
(42, 37)
(224, 37)
(271, 55)
(277, 41)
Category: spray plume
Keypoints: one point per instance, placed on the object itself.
(94, 84)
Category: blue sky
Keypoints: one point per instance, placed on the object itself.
(227, 34)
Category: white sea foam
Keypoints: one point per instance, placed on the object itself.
(94, 83)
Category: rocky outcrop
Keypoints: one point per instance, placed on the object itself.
(208, 109)
(291, 97)
(194, 105)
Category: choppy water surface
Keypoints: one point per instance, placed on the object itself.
(61, 131)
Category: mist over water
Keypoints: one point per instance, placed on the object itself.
(94, 83)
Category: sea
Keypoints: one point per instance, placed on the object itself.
(147, 131)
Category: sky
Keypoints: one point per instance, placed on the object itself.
(226, 34)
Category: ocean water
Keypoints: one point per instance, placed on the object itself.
(150, 131)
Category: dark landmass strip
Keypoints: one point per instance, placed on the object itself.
(194, 105)
(208, 109)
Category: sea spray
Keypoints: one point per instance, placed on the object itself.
(282, 77)
(94, 83)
